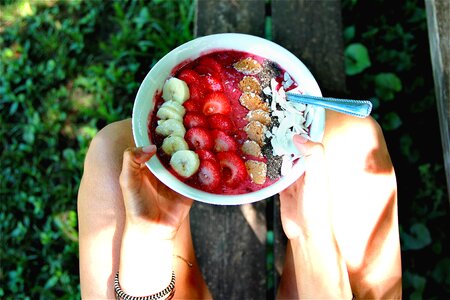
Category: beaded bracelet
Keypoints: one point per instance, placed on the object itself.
(167, 293)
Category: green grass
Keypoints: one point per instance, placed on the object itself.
(68, 68)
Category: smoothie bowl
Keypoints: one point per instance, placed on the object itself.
(216, 109)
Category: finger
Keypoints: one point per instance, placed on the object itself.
(314, 160)
(132, 161)
(143, 154)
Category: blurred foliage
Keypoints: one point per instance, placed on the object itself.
(68, 68)
(400, 82)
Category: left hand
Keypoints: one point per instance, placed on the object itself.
(148, 202)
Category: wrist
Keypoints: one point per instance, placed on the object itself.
(316, 234)
(145, 260)
(323, 267)
(151, 229)
(306, 229)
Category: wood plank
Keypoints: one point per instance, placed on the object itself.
(230, 240)
(312, 30)
(231, 253)
(218, 16)
(280, 240)
(438, 19)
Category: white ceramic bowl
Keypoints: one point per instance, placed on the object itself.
(155, 79)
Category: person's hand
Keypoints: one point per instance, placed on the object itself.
(314, 268)
(148, 202)
(304, 205)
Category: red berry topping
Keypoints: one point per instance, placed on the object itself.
(233, 168)
(223, 142)
(221, 122)
(209, 175)
(212, 84)
(195, 119)
(192, 106)
(205, 155)
(189, 76)
(208, 65)
(196, 92)
(198, 138)
(216, 103)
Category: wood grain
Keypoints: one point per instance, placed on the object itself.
(230, 240)
(438, 19)
(227, 239)
(312, 30)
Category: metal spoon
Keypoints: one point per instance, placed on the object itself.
(358, 108)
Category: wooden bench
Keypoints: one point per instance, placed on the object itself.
(231, 241)
(438, 19)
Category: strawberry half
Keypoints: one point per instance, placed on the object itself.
(221, 122)
(233, 168)
(208, 65)
(192, 106)
(195, 119)
(189, 76)
(198, 138)
(196, 92)
(205, 155)
(209, 175)
(212, 84)
(216, 103)
(222, 141)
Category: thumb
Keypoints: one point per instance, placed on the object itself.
(314, 160)
(133, 158)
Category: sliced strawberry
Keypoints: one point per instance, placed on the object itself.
(198, 138)
(195, 119)
(208, 65)
(209, 175)
(233, 168)
(216, 103)
(192, 106)
(221, 122)
(223, 142)
(189, 76)
(196, 92)
(211, 83)
(205, 155)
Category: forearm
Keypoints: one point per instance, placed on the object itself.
(145, 261)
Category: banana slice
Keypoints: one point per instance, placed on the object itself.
(174, 143)
(185, 162)
(171, 110)
(170, 127)
(179, 108)
(176, 90)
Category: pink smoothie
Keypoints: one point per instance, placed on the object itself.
(230, 79)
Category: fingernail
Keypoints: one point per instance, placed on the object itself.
(301, 139)
(148, 149)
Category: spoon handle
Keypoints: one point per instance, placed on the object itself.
(358, 108)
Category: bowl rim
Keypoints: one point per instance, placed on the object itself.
(209, 41)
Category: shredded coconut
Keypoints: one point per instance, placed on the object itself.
(292, 118)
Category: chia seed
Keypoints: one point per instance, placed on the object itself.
(274, 167)
(273, 162)
(270, 70)
(273, 122)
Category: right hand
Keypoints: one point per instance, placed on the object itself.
(148, 202)
(305, 205)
